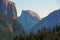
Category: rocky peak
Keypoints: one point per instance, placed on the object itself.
(28, 19)
(34, 14)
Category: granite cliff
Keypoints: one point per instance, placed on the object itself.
(28, 19)
(9, 26)
(8, 8)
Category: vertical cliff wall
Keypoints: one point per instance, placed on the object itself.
(11, 10)
(8, 8)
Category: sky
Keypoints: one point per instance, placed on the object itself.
(41, 7)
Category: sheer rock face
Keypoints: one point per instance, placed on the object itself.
(9, 26)
(11, 10)
(28, 19)
(8, 8)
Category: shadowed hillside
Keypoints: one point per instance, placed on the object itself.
(9, 28)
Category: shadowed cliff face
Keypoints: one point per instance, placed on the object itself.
(8, 15)
(8, 8)
(28, 19)
(11, 10)
(9, 26)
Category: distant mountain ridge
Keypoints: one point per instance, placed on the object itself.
(50, 21)
(28, 19)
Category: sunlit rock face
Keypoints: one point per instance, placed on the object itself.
(34, 14)
(28, 19)
(8, 8)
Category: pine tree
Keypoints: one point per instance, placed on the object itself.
(31, 36)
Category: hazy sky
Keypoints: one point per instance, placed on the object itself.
(42, 7)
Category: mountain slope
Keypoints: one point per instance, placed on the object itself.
(50, 21)
(9, 28)
(5, 29)
(28, 19)
(5, 34)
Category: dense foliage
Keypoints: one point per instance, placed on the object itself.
(42, 34)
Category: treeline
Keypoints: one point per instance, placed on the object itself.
(42, 34)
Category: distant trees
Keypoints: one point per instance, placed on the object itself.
(19, 37)
(42, 34)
